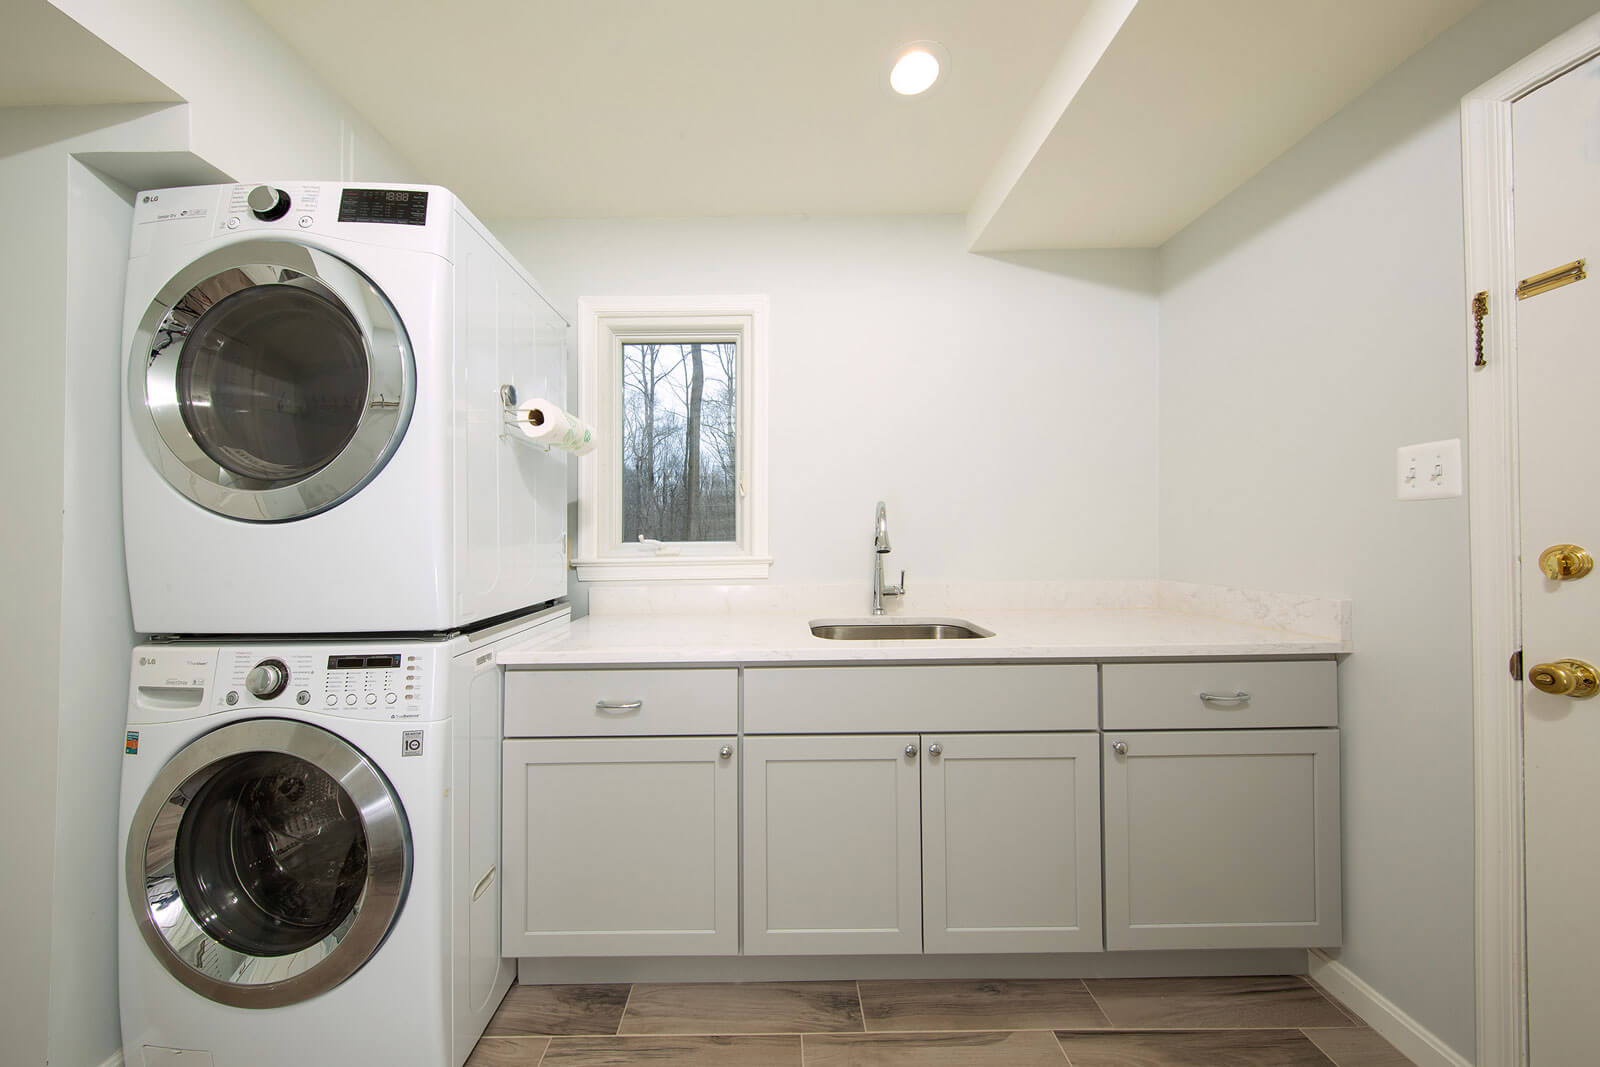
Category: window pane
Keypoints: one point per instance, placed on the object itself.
(679, 417)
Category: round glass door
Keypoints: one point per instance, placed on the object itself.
(267, 863)
(277, 381)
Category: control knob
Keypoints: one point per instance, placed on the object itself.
(268, 204)
(267, 679)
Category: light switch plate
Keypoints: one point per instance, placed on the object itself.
(1429, 471)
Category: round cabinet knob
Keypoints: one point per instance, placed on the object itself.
(1120, 747)
(911, 750)
(727, 752)
(268, 204)
(267, 679)
(1565, 678)
(1565, 563)
(935, 749)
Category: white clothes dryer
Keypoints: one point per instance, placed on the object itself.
(310, 843)
(313, 432)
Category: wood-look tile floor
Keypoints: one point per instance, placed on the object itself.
(1278, 1021)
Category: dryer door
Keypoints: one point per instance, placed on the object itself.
(267, 863)
(276, 381)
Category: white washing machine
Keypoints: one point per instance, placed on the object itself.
(310, 844)
(313, 438)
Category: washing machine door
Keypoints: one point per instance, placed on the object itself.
(267, 863)
(276, 381)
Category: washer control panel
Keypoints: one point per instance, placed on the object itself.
(378, 683)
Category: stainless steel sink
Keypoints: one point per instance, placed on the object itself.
(896, 629)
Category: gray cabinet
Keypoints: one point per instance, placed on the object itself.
(1011, 842)
(1222, 839)
(621, 847)
(832, 845)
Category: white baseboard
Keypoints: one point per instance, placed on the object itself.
(115, 1060)
(1418, 1043)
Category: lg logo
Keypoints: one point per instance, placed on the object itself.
(148, 199)
(411, 743)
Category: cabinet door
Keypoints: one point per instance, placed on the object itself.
(621, 847)
(832, 846)
(1222, 839)
(1011, 842)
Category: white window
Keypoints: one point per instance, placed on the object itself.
(675, 389)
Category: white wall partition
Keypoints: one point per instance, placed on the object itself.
(257, 110)
(1311, 324)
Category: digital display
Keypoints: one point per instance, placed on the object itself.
(404, 207)
(361, 663)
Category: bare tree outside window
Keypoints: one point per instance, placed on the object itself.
(680, 477)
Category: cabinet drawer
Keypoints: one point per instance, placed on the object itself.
(1178, 696)
(621, 703)
(855, 700)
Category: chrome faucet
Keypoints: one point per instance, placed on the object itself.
(880, 548)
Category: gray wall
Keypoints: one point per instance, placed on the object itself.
(1311, 324)
(969, 392)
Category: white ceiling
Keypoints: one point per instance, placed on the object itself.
(683, 107)
(1060, 124)
(48, 59)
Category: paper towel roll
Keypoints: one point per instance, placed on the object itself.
(543, 423)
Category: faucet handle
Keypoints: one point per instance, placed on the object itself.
(897, 590)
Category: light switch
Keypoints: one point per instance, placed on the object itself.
(1430, 471)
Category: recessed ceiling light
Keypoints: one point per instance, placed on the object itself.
(917, 66)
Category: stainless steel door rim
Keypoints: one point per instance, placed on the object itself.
(277, 380)
(195, 948)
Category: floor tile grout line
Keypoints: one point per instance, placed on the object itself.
(1057, 1038)
(625, 1003)
(1101, 1008)
(862, 1004)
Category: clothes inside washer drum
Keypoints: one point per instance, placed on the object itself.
(271, 855)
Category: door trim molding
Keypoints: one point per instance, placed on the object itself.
(1492, 508)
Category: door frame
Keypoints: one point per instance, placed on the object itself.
(1500, 938)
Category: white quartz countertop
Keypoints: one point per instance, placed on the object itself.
(785, 637)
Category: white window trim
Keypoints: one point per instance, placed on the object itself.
(603, 325)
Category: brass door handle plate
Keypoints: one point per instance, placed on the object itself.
(1566, 678)
(1565, 563)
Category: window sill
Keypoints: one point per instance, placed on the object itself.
(674, 569)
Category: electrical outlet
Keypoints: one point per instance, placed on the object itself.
(1430, 471)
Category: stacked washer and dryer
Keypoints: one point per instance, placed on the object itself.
(332, 534)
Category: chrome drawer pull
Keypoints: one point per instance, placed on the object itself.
(483, 883)
(618, 705)
(1225, 698)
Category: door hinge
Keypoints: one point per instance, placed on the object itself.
(1515, 666)
(1552, 279)
(1480, 308)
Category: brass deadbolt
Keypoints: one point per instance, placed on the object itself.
(1564, 563)
(1565, 678)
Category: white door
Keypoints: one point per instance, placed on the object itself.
(1011, 842)
(832, 856)
(1556, 136)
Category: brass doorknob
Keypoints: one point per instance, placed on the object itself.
(1565, 678)
(1564, 563)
